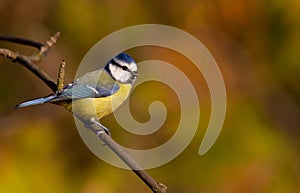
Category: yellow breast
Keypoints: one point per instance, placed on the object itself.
(88, 108)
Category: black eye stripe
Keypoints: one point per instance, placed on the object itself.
(117, 64)
(124, 67)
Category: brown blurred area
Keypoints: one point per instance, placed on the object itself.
(256, 45)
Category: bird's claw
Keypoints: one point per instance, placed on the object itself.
(105, 130)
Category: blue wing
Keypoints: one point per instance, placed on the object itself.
(79, 90)
(84, 87)
(76, 90)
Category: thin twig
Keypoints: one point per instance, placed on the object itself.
(22, 41)
(45, 48)
(48, 44)
(29, 61)
(61, 76)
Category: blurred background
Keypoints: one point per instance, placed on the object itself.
(255, 44)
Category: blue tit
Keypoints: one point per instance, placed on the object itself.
(97, 93)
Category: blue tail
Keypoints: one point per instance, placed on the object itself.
(36, 101)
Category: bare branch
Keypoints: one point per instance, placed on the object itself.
(29, 63)
(115, 147)
(37, 71)
(61, 76)
(48, 44)
(22, 41)
(8, 54)
(45, 48)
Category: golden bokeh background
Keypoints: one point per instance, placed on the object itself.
(255, 44)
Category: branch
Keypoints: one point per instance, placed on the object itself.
(61, 76)
(45, 48)
(22, 41)
(117, 149)
(29, 63)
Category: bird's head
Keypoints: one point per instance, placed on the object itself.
(122, 68)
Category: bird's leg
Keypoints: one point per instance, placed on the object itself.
(93, 120)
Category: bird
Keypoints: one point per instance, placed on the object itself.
(97, 93)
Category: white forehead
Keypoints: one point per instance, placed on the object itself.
(131, 66)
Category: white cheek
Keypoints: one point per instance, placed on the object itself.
(113, 69)
(124, 76)
(119, 74)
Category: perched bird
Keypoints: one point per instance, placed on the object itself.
(97, 93)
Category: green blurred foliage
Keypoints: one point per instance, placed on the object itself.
(256, 45)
